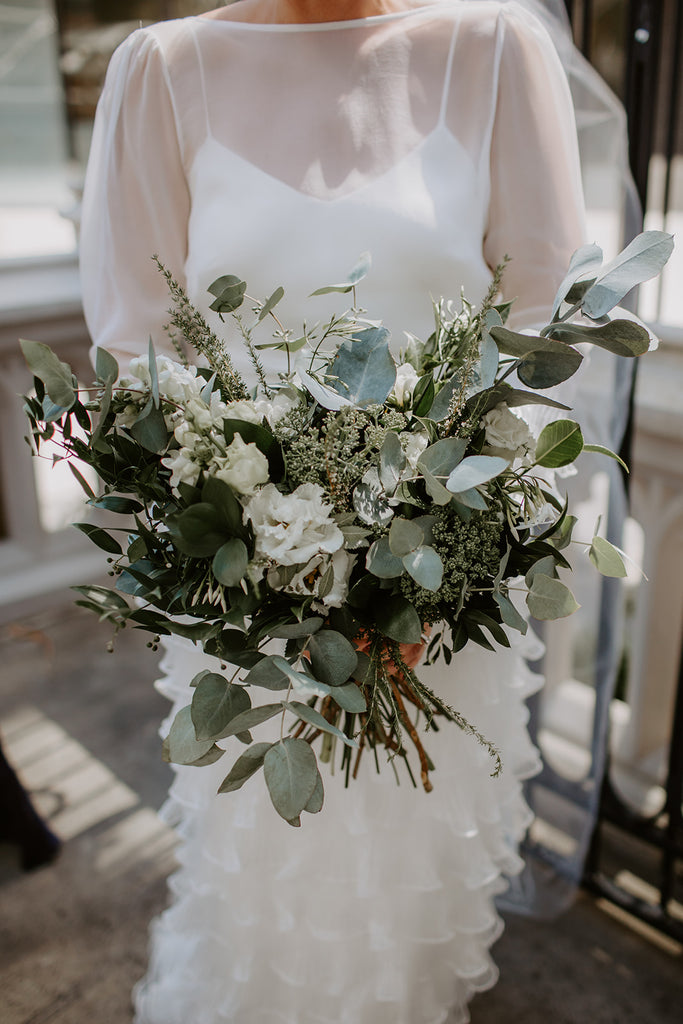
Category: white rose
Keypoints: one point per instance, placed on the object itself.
(183, 467)
(244, 466)
(291, 528)
(508, 433)
(307, 581)
(413, 445)
(406, 379)
(244, 410)
(177, 383)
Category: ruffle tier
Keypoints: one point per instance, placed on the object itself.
(379, 910)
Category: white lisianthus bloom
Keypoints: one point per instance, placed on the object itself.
(292, 528)
(244, 410)
(177, 383)
(243, 467)
(183, 467)
(413, 445)
(406, 379)
(307, 581)
(508, 434)
(275, 409)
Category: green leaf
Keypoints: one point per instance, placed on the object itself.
(606, 558)
(291, 772)
(106, 367)
(250, 718)
(471, 498)
(350, 698)
(441, 458)
(641, 260)
(392, 462)
(398, 619)
(622, 337)
(300, 680)
(317, 798)
(244, 767)
(404, 536)
(228, 510)
(509, 614)
(546, 565)
(212, 755)
(230, 562)
(115, 503)
(363, 370)
(296, 630)
(359, 271)
(601, 450)
(268, 675)
(544, 369)
(199, 531)
(151, 431)
(442, 402)
(181, 746)
(425, 566)
(333, 657)
(586, 261)
(271, 303)
(215, 703)
(559, 444)
(100, 537)
(55, 375)
(381, 562)
(550, 599)
(314, 718)
(82, 481)
(474, 471)
(153, 373)
(229, 291)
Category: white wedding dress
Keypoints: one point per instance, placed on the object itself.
(439, 140)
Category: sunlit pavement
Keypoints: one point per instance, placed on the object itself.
(80, 726)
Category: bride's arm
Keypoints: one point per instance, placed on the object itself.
(136, 203)
(536, 212)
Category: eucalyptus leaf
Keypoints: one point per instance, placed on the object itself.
(606, 558)
(81, 479)
(444, 396)
(230, 562)
(268, 675)
(215, 703)
(381, 562)
(314, 718)
(425, 566)
(325, 396)
(100, 537)
(471, 498)
(363, 369)
(550, 599)
(229, 291)
(151, 431)
(474, 471)
(584, 262)
(153, 373)
(333, 657)
(244, 767)
(641, 260)
(350, 698)
(509, 614)
(250, 718)
(181, 746)
(392, 462)
(106, 367)
(622, 337)
(270, 303)
(441, 458)
(545, 368)
(405, 535)
(397, 618)
(55, 375)
(317, 797)
(296, 630)
(559, 444)
(360, 270)
(291, 772)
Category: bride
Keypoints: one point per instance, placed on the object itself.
(277, 140)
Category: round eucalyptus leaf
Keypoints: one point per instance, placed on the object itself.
(317, 797)
(474, 471)
(215, 703)
(181, 746)
(291, 772)
(425, 566)
(230, 562)
(550, 599)
(350, 698)
(333, 657)
(559, 444)
(606, 558)
(405, 536)
(55, 375)
(544, 368)
(250, 718)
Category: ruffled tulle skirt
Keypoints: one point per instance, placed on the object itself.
(378, 910)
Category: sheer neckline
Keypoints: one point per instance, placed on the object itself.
(322, 26)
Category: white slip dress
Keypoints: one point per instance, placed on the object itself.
(438, 140)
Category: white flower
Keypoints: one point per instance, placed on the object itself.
(507, 433)
(177, 383)
(183, 467)
(244, 466)
(406, 379)
(307, 581)
(292, 528)
(258, 409)
(413, 445)
(245, 410)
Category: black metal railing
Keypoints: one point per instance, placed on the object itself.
(653, 97)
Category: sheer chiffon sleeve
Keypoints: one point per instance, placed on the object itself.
(135, 204)
(536, 212)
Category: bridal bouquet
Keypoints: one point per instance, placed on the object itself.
(358, 509)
